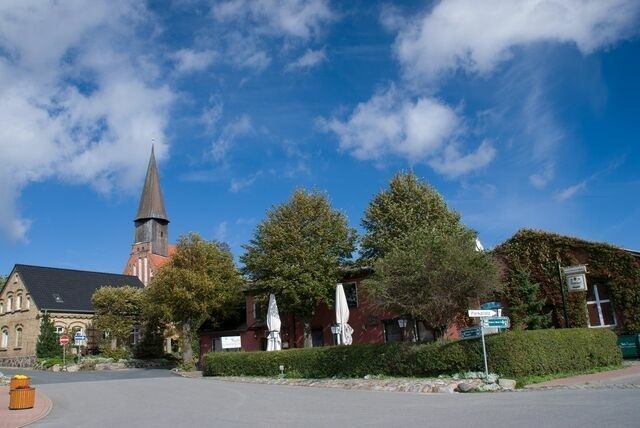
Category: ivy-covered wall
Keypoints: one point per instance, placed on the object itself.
(540, 253)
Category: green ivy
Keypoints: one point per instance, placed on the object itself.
(539, 253)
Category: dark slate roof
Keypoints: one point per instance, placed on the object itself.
(151, 200)
(68, 290)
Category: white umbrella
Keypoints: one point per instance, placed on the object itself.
(274, 343)
(342, 317)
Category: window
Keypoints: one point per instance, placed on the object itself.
(58, 298)
(18, 302)
(135, 335)
(392, 331)
(599, 306)
(9, 303)
(59, 329)
(351, 293)
(1, 307)
(19, 336)
(317, 338)
(4, 338)
(259, 311)
(28, 302)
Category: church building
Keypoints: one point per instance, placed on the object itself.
(151, 249)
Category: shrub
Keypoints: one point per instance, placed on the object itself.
(116, 354)
(517, 353)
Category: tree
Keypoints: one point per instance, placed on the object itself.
(200, 279)
(424, 259)
(394, 214)
(48, 345)
(526, 305)
(296, 253)
(118, 311)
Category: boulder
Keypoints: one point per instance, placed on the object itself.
(466, 387)
(507, 384)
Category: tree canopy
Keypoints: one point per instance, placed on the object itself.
(406, 206)
(118, 310)
(297, 251)
(200, 280)
(424, 259)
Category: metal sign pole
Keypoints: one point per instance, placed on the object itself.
(484, 352)
(64, 357)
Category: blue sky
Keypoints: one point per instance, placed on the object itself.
(522, 114)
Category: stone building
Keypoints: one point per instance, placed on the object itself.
(65, 294)
(151, 249)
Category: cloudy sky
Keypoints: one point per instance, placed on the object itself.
(521, 113)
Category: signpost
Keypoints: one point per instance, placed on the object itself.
(64, 341)
(79, 339)
(487, 319)
(502, 322)
(481, 313)
(470, 333)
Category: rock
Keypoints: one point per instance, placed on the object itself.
(448, 389)
(492, 378)
(489, 387)
(508, 384)
(367, 376)
(466, 387)
(56, 368)
(73, 368)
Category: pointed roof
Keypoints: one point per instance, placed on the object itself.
(151, 201)
(68, 290)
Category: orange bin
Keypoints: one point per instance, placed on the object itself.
(22, 398)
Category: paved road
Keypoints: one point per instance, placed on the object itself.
(150, 398)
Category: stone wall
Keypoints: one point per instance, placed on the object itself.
(19, 362)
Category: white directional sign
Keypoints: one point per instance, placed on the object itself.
(231, 342)
(481, 313)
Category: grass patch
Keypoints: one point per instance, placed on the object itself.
(529, 380)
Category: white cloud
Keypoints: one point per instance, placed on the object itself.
(189, 60)
(453, 164)
(308, 60)
(300, 19)
(476, 36)
(570, 191)
(74, 102)
(237, 184)
(239, 127)
(220, 233)
(212, 113)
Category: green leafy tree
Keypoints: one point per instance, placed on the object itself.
(433, 277)
(296, 253)
(118, 311)
(526, 305)
(200, 280)
(48, 345)
(425, 262)
(408, 205)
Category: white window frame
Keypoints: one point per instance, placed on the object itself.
(9, 303)
(59, 329)
(18, 302)
(598, 304)
(1, 307)
(4, 338)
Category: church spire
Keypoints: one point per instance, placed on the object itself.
(152, 222)
(151, 202)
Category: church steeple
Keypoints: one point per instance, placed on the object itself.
(152, 222)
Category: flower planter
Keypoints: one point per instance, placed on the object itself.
(22, 398)
(20, 383)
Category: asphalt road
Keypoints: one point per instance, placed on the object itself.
(157, 398)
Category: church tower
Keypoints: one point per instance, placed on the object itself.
(151, 249)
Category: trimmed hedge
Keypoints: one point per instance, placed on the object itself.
(516, 353)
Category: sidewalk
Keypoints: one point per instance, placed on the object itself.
(626, 377)
(20, 418)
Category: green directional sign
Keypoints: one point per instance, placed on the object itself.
(470, 333)
(501, 322)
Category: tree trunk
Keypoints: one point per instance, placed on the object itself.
(308, 340)
(187, 350)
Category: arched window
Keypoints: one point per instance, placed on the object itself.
(4, 338)
(18, 302)
(1, 307)
(28, 302)
(59, 329)
(19, 336)
(9, 303)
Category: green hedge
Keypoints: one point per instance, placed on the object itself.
(516, 353)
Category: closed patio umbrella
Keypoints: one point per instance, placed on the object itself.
(274, 343)
(342, 317)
